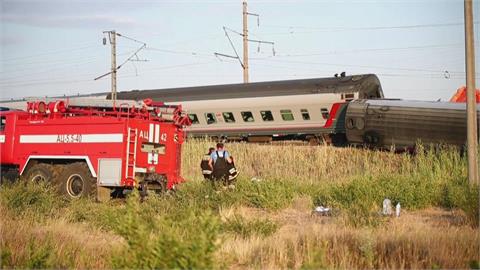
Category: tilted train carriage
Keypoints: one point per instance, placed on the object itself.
(404, 123)
(301, 109)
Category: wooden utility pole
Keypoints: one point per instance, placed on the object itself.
(245, 42)
(113, 41)
(472, 142)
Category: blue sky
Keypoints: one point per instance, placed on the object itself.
(55, 47)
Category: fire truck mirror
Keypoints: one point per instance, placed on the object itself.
(148, 147)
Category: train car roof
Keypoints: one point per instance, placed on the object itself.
(417, 104)
(368, 83)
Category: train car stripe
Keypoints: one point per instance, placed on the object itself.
(72, 138)
(333, 114)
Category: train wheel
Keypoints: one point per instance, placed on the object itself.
(39, 173)
(76, 181)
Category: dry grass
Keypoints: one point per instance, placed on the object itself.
(422, 239)
(303, 162)
(56, 243)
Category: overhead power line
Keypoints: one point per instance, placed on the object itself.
(372, 50)
(359, 66)
(49, 53)
(368, 28)
(193, 53)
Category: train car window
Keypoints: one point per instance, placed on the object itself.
(229, 118)
(3, 122)
(210, 117)
(305, 114)
(287, 115)
(349, 97)
(325, 113)
(247, 116)
(266, 115)
(193, 117)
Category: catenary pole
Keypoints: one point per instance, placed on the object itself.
(472, 142)
(113, 38)
(245, 42)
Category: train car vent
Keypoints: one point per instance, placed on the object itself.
(349, 97)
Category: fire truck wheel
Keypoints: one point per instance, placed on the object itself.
(39, 173)
(76, 181)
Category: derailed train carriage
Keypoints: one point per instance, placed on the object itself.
(291, 109)
(404, 123)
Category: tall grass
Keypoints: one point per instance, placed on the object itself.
(307, 164)
(266, 223)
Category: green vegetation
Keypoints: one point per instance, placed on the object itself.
(266, 223)
(245, 228)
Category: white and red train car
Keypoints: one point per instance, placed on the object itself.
(262, 111)
(83, 150)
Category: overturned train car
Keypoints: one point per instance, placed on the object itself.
(403, 124)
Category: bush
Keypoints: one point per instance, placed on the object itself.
(38, 200)
(459, 194)
(164, 242)
(40, 255)
(104, 216)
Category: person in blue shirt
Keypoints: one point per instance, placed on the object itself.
(219, 163)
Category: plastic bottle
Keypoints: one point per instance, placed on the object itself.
(397, 209)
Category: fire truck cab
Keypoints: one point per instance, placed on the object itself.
(85, 151)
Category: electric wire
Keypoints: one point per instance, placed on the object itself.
(414, 26)
(351, 65)
(49, 53)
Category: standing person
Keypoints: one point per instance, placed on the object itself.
(232, 172)
(219, 161)
(206, 170)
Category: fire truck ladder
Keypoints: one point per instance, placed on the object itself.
(131, 153)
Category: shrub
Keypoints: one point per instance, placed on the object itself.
(40, 255)
(38, 200)
(164, 242)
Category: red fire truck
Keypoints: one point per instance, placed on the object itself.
(93, 150)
